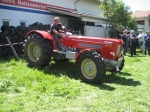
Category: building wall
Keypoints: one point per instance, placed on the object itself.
(16, 16)
(89, 8)
(96, 31)
(17, 10)
(29, 11)
(82, 6)
(146, 25)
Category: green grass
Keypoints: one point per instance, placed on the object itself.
(58, 88)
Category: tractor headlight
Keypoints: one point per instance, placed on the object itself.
(118, 49)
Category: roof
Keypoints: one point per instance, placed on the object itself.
(71, 12)
(95, 1)
(141, 14)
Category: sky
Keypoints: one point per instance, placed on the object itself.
(137, 5)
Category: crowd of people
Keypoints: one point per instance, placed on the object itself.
(132, 41)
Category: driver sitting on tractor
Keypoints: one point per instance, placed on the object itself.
(55, 31)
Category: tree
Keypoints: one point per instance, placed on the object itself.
(118, 15)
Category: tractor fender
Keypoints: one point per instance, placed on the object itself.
(82, 52)
(44, 34)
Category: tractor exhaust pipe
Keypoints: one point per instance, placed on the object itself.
(75, 4)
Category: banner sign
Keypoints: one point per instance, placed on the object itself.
(25, 3)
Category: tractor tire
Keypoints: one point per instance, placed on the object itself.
(37, 50)
(20, 33)
(15, 37)
(22, 28)
(5, 33)
(5, 28)
(12, 33)
(91, 67)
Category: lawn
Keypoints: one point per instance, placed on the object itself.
(58, 88)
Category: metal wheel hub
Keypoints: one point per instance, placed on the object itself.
(34, 51)
(88, 68)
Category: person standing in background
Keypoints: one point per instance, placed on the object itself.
(125, 42)
(119, 33)
(133, 43)
(140, 40)
(147, 42)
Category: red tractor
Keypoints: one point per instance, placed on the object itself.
(93, 55)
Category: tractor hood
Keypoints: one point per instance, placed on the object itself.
(106, 46)
(94, 39)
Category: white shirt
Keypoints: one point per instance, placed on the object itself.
(142, 37)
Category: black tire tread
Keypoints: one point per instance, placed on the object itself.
(101, 71)
(46, 50)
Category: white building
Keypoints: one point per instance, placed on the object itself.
(142, 19)
(77, 15)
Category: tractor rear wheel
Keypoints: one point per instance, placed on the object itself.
(37, 50)
(91, 67)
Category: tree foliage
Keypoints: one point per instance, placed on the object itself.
(118, 15)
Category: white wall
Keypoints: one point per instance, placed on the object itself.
(82, 6)
(143, 27)
(95, 31)
(89, 8)
(16, 16)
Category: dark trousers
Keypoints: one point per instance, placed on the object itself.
(133, 48)
(125, 49)
(147, 47)
(56, 37)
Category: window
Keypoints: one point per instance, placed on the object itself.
(23, 23)
(6, 22)
(141, 22)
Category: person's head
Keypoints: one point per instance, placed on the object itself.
(120, 29)
(140, 31)
(56, 20)
(132, 32)
(147, 32)
(126, 31)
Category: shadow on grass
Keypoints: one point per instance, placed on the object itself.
(68, 69)
(60, 68)
(118, 79)
(124, 74)
(104, 87)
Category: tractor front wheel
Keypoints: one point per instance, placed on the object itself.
(37, 50)
(91, 67)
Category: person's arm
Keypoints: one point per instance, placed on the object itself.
(123, 39)
(121, 34)
(146, 38)
(139, 36)
(63, 27)
(56, 32)
(134, 37)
